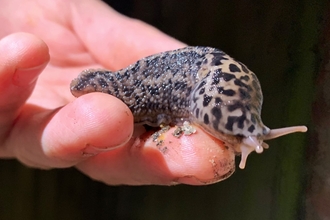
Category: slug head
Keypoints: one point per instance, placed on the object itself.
(226, 102)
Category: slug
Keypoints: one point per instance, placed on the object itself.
(201, 85)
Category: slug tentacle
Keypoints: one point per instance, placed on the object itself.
(202, 85)
(278, 132)
(251, 143)
(248, 145)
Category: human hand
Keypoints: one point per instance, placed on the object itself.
(44, 126)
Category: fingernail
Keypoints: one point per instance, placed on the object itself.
(189, 180)
(27, 76)
(91, 150)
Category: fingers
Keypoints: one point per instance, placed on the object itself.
(115, 40)
(91, 124)
(197, 159)
(23, 57)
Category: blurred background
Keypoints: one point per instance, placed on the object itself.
(286, 43)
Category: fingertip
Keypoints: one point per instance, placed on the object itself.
(91, 124)
(195, 159)
(23, 57)
(24, 50)
(107, 116)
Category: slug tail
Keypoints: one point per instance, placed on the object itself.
(274, 133)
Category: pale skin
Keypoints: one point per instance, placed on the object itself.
(44, 126)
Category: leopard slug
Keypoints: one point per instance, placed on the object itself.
(201, 85)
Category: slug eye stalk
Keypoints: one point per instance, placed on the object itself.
(252, 143)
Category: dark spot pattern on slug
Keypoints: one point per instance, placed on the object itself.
(135, 69)
(216, 112)
(227, 76)
(119, 76)
(227, 92)
(230, 123)
(180, 85)
(251, 128)
(244, 94)
(240, 83)
(197, 112)
(217, 101)
(239, 120)
(234, 68)
(102, 82)
(206, 119)
(152, 90)
(234, 106)
(184, 84)
(244, 68)
(128, 91)
(216, 77)
(201, 84)
(217, 59)
(245, 78)
(206, 100)
(137, 83)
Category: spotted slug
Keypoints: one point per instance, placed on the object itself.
(202, 85)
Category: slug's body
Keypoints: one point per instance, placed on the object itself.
(201, 85)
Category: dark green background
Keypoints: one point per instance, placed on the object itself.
(285, 44)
